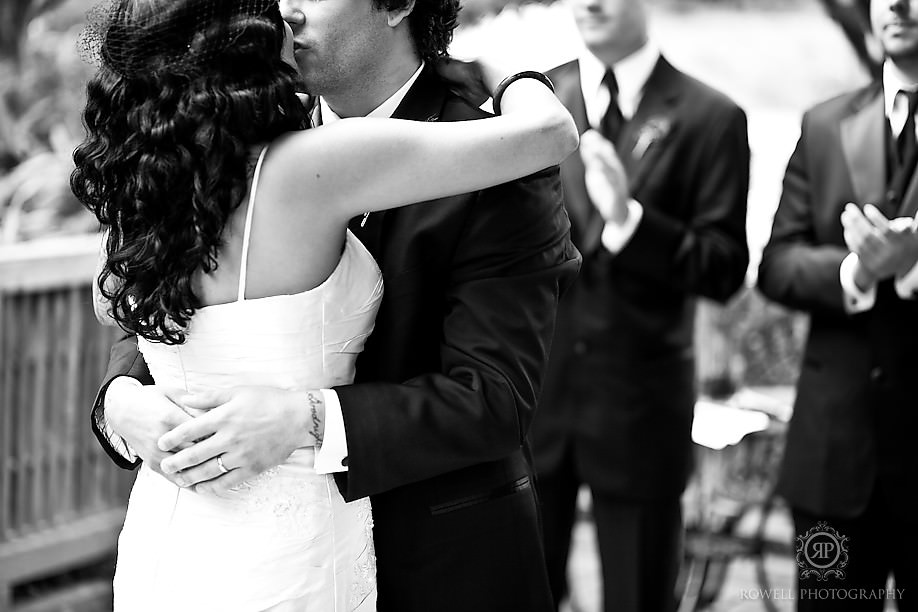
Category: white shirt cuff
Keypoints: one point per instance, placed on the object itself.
(117, 442)
(331, 457)
(907, 286)
(855, 300)
(615, 237)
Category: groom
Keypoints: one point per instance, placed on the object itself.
(434, 429)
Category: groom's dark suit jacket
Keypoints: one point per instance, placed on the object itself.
(620, 389)
(446, 387)
(854, 419)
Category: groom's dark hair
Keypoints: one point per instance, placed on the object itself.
(431, 23)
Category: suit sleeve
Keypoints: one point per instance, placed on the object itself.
(125, 360)
(512, 263)
(796, 271)
(705, 254)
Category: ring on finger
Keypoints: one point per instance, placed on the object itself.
(223, 469)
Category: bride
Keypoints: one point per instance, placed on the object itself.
(195, 135)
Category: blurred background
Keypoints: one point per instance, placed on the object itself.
(62, 501)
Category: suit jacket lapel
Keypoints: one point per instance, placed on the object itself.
(423, 102)
(586, 222)
(646, 134)
(425, 99)
(863, 140)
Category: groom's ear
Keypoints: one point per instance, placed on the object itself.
(396, 16)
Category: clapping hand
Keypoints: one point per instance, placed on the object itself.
(885, 248)
(606, 181)
(239, 433)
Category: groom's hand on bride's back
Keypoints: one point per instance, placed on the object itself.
(250, 429)
(140, 414)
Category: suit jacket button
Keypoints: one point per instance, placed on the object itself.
(580, 347)
(892, 197)
(877, 375)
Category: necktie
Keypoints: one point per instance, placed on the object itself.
(907, 152)
(907, 144)
(613, 120)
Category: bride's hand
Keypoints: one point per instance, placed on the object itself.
(493, 72)
(475, 80)
(465, 79)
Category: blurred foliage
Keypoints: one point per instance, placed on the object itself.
(767, 339)
(42, 80)
(14, 16)
(852, 16)
(748, 342)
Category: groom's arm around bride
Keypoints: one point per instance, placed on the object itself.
(436, 422)
(447, 385)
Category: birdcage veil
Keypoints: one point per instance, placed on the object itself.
(133, 37)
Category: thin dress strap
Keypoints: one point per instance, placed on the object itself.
(247, 232)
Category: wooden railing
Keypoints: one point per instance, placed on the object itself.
(61, 499)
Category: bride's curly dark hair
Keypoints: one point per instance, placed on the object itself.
(167, 155)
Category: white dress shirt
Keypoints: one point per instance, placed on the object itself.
(895, 104)
(331, 456)
(117, 442)
(384, 110)
(631, 74)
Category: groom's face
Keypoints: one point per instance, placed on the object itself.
(895, 24)
(336, 42)
(609, 27)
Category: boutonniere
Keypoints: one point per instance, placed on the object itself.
(653, 130)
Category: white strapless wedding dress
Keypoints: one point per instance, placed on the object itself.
(286, 540)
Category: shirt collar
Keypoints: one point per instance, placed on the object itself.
(631, 73)
(384, 110)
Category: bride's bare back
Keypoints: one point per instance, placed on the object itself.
(313, 182)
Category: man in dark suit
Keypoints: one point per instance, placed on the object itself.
(434, 428)
(842, 243)
(659, 219)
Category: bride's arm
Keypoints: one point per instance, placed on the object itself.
(362, 164)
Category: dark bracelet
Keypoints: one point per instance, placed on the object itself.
(526, 74)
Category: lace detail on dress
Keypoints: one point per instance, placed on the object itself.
(365, 568)
(285, 539)
(299, 506)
